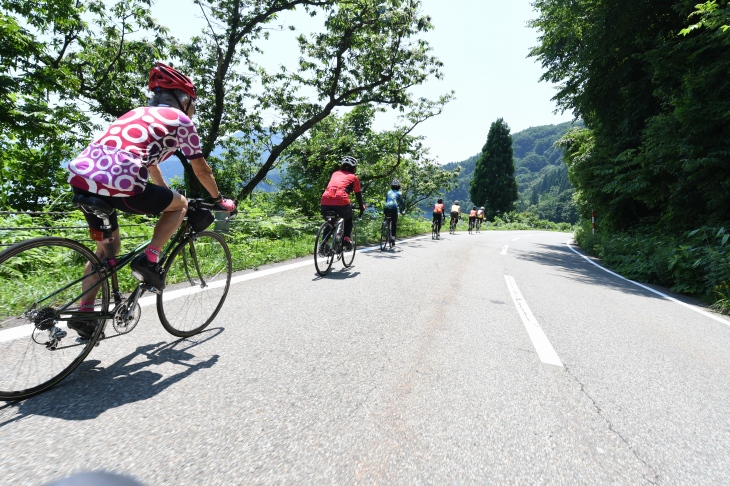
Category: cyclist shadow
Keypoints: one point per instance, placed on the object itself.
(342, 274)
(91, 390)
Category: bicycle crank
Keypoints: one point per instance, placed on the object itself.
(125, 319)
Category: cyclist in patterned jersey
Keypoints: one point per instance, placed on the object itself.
(394, 204)
(336, 196)
(438, 213)
(117, 167)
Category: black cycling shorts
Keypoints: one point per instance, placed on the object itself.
(153, 200)
(344, 212)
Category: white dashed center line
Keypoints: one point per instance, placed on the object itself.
(543, 347)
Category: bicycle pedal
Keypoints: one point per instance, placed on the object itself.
(152, 289)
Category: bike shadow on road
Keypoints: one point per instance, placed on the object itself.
(390, 253)
(91, 389)
(342, 274)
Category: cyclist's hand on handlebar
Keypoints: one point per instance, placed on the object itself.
(228, 205)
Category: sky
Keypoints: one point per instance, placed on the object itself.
(483, 45)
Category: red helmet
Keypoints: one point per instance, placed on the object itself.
(165, 77)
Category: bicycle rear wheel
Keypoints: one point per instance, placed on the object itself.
(41, 283)
(348, 256)
(433, 230)
(197, 278)
(452, 226)
(324, 253)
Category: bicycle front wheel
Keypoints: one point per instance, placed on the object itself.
(197, 278)
(43, 281)
(324, 253)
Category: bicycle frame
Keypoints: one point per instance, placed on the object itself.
(110, 267)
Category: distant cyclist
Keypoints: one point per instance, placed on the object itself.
(394, 203)
(473, 217)
(438, 214)
(455, 212)
(118, 166)
(480, 213)
(336, 196)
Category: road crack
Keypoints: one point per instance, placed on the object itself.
(654, 479)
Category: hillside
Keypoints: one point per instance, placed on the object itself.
(541, 174)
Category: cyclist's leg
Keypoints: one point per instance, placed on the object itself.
(90, 286)
(155, 199)
(172, 217)
(393, 215)
(345, 212)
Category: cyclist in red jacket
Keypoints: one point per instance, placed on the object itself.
(337, 195)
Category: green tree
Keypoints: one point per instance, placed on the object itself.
(711, 15)
(65, 64)
(493, 184)
(368, 52)
(654, 103)
(383, 156)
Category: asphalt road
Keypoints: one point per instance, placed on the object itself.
(500, 357)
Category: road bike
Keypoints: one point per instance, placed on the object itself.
(44, 280)
(435, 229)
(386, 234)
(329, 244)
(452, 226)
(471, 225)
(479, 225)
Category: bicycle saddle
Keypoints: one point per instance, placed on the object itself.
(92, 204)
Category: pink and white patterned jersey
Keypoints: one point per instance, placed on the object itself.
(116, 163)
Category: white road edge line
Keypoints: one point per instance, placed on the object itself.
(542, 345)
(504, 249)
(688, 306)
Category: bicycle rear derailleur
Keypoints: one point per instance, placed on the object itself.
(45, 319)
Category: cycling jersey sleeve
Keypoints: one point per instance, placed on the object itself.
(187, 138)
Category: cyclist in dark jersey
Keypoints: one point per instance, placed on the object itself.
(117, 166)
(336, 196)
(394, 204)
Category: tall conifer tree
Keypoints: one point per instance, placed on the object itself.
(493, 185)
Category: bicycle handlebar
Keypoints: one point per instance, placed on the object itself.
(201, 203)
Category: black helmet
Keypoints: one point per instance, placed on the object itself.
(349, 161)
(474, 208)
(395, 184)
(440, 201)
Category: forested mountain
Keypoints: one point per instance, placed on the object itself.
(541, 174)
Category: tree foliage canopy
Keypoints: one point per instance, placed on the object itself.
(654, 102)
(69, 66)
